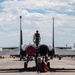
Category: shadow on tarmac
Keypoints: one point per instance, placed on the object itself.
(62, 70)
(33, 69)
(16, 70)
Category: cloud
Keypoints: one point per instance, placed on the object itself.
(37, 15)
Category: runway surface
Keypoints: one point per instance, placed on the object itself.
(11, 66)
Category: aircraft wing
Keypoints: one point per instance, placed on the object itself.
(10, 52)
(64, 52)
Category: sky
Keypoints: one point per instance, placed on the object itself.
(37, 15)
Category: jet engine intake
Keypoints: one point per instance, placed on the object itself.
(31, 50)
(43, 50)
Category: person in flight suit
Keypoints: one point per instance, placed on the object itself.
(36, 38)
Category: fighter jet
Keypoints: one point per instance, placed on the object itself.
(35, 50)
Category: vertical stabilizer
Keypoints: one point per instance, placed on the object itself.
(53, 37)
(21, 41)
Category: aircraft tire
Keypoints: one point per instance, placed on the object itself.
(46, 59)
(59, 58)
(48, 64)
(25, 65)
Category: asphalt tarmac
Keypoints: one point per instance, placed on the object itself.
(11, 66)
